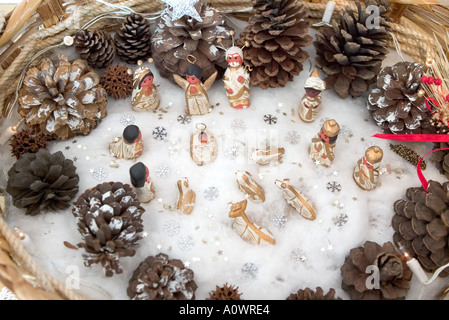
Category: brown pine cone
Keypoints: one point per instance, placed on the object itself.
(133, 40)
(109, 218)
(42, 181)
(225, 292)
(309, 294)
(441, 158)
(161, 278)
(394, 274)
(421, 225)
(117, 82)
(350, 53)
(27, 141)
(62, 99)
(95, 46)
(277, 32)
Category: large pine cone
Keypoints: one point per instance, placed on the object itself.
(42, 181)
(161, 278)
(27, 141)
(309, 294)
(422, 225)
(394, 102)
(109, 218)
(174, 41)
(95, 46)
(277, 32)
(133, 40)
(394, 274)
(62, 99)
(441, 158)
(350, 53)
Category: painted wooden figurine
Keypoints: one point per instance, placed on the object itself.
(323, 145)
(197, 100)
(296, 199)
(144, 95)
(310, 103)
(252, 190)
(236, 78)
(366, 172)
(129, 146)
(186, 197)
(246, 229)
(203, 146)
(264, 156)
(141, 181)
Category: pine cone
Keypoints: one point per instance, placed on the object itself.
(117, 82)
(394, 274)
(309, 294)
(161, 278)
(42, 181)
(421, 225)
(95, 46)
(350, 53)
(27, 141)
(109, 218)
(174, 41)
(225, 293)
(394, 102)
(62, 99)
(441, 158)
(277, 32)
(133, 40)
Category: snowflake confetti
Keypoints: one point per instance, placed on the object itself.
(184, 119)
(211, 193)
(293, 137)
(340, 220)
(280, 220)
(159, 133)
(185, 243)
(298, 255)
(127, 119)
(270, 119)
(333, 186)
(172, 227)
(162, 171)
(238, 125)
(249, 269)
(232, 153)
(100, 174)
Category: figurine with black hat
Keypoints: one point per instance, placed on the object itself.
(129, 146)
(141, 182)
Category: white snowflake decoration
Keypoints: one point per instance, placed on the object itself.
(238, 125)
(183, 8)
(172, 227)
(186, 243)
(100, 174)
(184, 119)
(162, 171)
(340, 220)
(293, 137)
(298, 255)
(159, 133)
(127, 119)
(280, 220)
(211, 193)
(333, 186)
(232, 153)
(249, 269)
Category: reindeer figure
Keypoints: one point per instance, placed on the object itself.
(250, 187)
(296, 199)
(187, 196)
(245, 228)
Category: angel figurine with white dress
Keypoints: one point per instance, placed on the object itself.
(197, 100)
(144, 96)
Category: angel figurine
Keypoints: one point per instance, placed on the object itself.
(144, 95)
(366, 172)
(197, 100)
(141, 181)
(308, 110)
(236, 78)
(129, 146)
(322, 147)
(203, 146)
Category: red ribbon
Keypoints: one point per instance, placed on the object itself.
(367, 164)
(415, 137)
(421, 177)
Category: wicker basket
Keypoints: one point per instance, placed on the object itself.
(415, 25)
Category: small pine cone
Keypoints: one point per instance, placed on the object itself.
(224, 293)
(117, 82)
(95, 46)
(394, 274)
(421, 225)
(133, 40)
(42, 181)
(309, 294)
(161, 278)
(441, 158)
(109, 218)
(27, 141)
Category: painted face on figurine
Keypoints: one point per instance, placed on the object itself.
(192, 79)
(147, 81)
(234, 60)
(312, 93)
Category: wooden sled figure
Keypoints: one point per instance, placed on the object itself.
(186, 198)
(250, 187)
(296, 199)
(245, 228)
(265, 156)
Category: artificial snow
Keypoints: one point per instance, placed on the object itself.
(306, 254)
